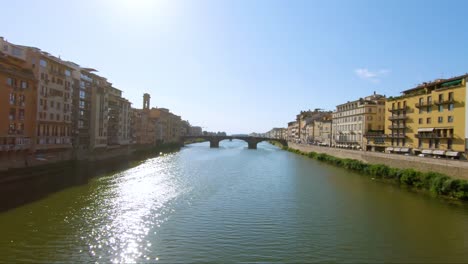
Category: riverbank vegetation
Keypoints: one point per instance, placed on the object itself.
(436, 183)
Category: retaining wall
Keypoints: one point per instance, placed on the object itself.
(453, 168)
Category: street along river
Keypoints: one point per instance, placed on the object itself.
(233, 204)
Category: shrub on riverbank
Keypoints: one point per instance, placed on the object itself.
(434, 182)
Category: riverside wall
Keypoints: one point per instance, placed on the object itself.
(452, 168)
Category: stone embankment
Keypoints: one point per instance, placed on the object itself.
(453, 168)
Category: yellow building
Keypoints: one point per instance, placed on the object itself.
(429, 119)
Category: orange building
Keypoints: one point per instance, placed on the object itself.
(17, 107)
(54, 101)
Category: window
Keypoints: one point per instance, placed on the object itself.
(12, 98)
(82, 94)
(437, 143)
(51, 104)
(43, 63)
(80, 123)
(430, 143)
(429, 100)
(450, 119)
(12, 115)
(68, 73)
(441, 98)
(58, 117)
(420, 143)
(429, 109)
(428, 120)
(82, 104)
(21, 114)
(441, 108)
(51, 116)
(81, 112)
(440, 119)
(450, 97)
(58, 106)
(24, 84)
(420, 121)
(449, 143)
(9, 81)
(450, 107)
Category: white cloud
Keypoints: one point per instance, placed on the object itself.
(373, 76)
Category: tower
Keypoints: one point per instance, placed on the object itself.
(146, 101)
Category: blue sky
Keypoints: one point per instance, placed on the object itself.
(249, 65)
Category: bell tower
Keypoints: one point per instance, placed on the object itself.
(146, 101)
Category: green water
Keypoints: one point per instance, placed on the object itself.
(234, 205)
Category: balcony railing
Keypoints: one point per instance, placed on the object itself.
(401, 108)
(443, 102)
(398, 117)
(423, 104)
(397, 136)
(375, 135)
(396, 126)
(433, 136)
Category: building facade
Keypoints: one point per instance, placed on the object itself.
(54, 101)
(352, 120)
(18, 106)
(430, 119)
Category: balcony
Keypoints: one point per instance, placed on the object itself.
(401, 108)
(396, 127)
(375, 135)
(423, 104)
(433, 136)
(398, 117)
(444, 102)
(397, 135)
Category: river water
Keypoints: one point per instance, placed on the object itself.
(233, 204)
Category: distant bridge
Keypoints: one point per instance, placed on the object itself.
(251, 141)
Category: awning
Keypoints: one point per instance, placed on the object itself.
(452, 153)
(425, 129)
(438, 152)
(389, 149)
(426, 151)
(452, 83)
(396, 149)
(405, 150)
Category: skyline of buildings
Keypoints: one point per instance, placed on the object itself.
(430, 119)
(53, 109)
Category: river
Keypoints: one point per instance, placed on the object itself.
(233, 204)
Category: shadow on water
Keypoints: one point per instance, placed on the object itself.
(22, 186)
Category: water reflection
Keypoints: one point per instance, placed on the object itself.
(234, 204)
(126, 207)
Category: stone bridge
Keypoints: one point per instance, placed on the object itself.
(251, 141)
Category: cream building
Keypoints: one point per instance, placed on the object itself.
(354, 119)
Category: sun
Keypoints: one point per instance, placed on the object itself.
(136, 9)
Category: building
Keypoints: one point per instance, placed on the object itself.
(305, 122)
(168, 126)
(321, 130)
(18, 104)
(143, 126)
(277, 133)
(293, 132)
(54, 103)
(352, 120)
(430, 119)
(195, 131)
(118, 128)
